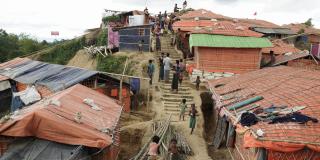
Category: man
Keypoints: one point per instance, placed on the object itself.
(167, 62)
(185, 5)
(176, 9)
(150, 71)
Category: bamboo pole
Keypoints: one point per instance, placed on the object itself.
(121, 80)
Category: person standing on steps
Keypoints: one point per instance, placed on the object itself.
(175, 79)
(154, 148)
(150, 71)
(183, 107)
(167, 63)
(161, 69)
(176, 9)
(158, 42)
(184, 5)
(198, 81)
(193, 113)
(182, 70)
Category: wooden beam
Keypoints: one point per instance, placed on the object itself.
(121, 80)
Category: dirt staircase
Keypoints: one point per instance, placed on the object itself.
(170, 99)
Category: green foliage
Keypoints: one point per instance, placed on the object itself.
(301, 31)
(13, 46)
(63, 52)
(113, 18)
(102, 38)
(309, 22)
(114, 64)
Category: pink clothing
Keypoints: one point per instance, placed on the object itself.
(153, 149)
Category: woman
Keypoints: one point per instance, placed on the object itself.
(161, 69)
(175, 79)
(158, 42)
(193, 113)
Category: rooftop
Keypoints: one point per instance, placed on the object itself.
(281, 47)
(220, 41)
(65, 118)
(202, 14)
(215, 27)
(296, 27)
(281, 86)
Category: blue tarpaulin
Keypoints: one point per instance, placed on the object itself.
(55, 77)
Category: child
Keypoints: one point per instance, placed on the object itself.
(173, 150)
(193, 113)
(153, 148)
(140, 45)
(198, 83)
(183, 107)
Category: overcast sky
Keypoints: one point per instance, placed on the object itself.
(72, 17)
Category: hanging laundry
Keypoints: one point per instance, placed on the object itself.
(248, 119)
(294, 117)
(231, 136)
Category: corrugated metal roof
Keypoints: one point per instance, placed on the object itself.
(203, 14)
(280, 86)
(55, 77)
(212, 27)
(3, 78)
(286, 58)
(273, 30)
(207, 40)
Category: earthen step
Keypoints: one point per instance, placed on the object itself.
(176, 103)
(179, 93)
(177, 96)
(176, 99)
(183, 89)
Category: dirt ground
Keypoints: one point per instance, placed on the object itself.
(82, 60)
(136, 127)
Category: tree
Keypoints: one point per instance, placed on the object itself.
(308, 23)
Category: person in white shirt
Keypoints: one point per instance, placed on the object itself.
(167, 63)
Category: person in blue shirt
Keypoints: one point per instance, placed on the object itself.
(150, 71)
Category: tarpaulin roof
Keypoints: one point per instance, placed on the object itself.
(220, 41)
(280, 86)
(55, 77)
(51, 121)
(39, 149)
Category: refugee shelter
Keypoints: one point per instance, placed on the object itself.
(131, 37)
(77, 116)
(30, 81)
(269, 114)
(279, 48)
(222, 53)
(306, 36)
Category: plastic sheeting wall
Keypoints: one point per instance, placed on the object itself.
(130, 38)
